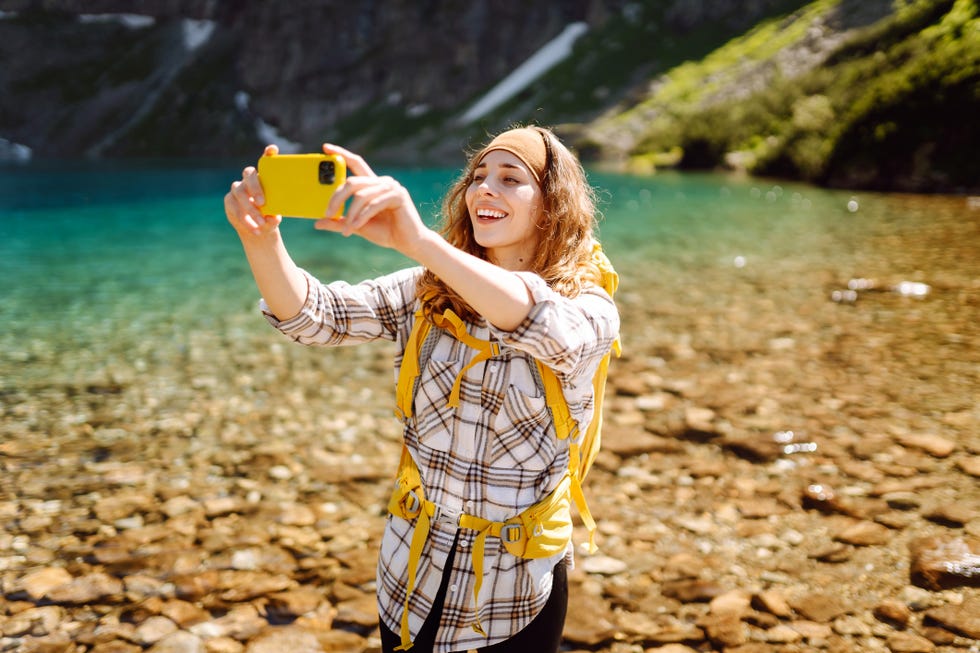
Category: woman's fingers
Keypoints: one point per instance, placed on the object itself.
(244, 201)
(350, 188)
(355, 163)
(237, 216)
(368, 196)
(242, 205)
(381, 200)
(253, 185)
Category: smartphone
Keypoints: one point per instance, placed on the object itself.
(300, 185)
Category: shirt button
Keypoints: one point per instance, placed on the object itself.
(453, 589)
(463, 544)
(468, 506)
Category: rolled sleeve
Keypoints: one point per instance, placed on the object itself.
(341, 313)
(570, 335)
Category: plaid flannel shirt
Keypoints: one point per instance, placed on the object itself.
(493, 456)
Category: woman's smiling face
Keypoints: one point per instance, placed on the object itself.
(504, 203)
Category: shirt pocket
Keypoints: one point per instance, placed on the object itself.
(522, 435)
(434, 418)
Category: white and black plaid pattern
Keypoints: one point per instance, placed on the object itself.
(493, 456)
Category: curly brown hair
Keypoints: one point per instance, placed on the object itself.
(567, 231)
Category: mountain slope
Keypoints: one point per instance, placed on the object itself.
(887, 104)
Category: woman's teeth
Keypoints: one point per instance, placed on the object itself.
(483, 213)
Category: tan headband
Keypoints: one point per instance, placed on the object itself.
(526, 144)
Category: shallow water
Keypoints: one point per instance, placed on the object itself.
(124, 273)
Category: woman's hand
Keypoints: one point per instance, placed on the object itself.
(244, 201)
(381, 210)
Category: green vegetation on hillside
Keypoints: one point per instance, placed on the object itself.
(894, 106)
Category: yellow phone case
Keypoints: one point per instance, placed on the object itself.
(300, 185)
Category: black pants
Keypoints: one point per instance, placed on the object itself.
(542, 635)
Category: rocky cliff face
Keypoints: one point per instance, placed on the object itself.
(213, 79)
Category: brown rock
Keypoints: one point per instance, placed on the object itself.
(762, 620)
(181, 505)
(833, 552)
(192, 587)
(54, 643)
(692, 591)
(754, 447)
(811, 630)
(938, 636)
(38, 583)
(141, 586)
(154, 629)
(774, 602)
(724, 630)
(895, 521)
(851, 627)
(934, 445)
(17, 626)
(362, 611)
(246, 585)
(221, 506)
(963, 619)
(242, 623)
(954, 515)
(970, 465)
(902, 500)
(294, 603)
(817, 606)
(864, 533)
(93, 588)
(588, 622)
(736, 602)
(671, 648)
(655, 632)
(180, 641)
(782, 634)
(628, 385)
(296, 514)
(761, 507)
(940, 563)
(184, 613)
(893, 612)
(751, 647)
(628, 442)
(223, 645)
(116, 646)
(699, 419)
(822, 497)
(119, 506)
(902, 642)
(341, 641)
(320, 619)
(285, 638)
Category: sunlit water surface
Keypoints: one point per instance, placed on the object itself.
(126, 271)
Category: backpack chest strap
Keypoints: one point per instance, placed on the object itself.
(485, 349)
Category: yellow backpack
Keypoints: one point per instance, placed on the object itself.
(545, 528)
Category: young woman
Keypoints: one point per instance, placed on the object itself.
(514, 261)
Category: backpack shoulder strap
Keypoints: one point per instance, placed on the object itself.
(408, 374)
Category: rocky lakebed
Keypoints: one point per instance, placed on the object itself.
(790, 463)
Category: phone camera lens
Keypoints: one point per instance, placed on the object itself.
(327, 172)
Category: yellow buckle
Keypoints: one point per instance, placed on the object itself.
(512, 533)
(411, 504)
